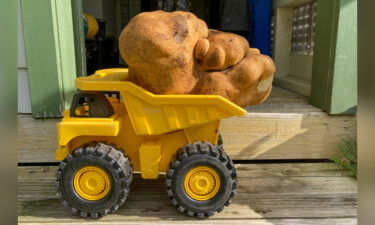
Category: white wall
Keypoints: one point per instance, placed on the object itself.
(24, 105)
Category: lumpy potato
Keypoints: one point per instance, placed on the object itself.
(176, 53)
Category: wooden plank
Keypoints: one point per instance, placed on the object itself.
(290, 170)
(305, 221)
(256, 136)
(49, 45)
(284, 101)
(37, 182)
(30, 173)
(276, 129)
(150, 207)
(324, 52)
(343, 99)
(286, 136)
(36, 139)
(300, 197)
(40, 173)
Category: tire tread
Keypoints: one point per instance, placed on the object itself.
(200, 148)
(120, 163)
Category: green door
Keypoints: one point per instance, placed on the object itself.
(334, 75)
(50, 54)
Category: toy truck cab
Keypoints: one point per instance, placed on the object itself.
(88, 104)
(103, 139)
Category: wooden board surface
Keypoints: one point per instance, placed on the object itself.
(286, 136)
(318, 193)
(283, 127)
(284, 101)
(329, 221)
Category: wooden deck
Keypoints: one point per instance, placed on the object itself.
(283, 127)
(279, 128)
(315, 193)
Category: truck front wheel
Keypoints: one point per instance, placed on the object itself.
(94, 180)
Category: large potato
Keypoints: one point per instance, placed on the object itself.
(175, 53)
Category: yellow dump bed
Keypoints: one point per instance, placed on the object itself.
(152, 114)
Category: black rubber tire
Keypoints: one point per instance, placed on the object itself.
(201, 154)
(220, 141)
(108, 158)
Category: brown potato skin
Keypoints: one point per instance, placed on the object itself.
(175, 53)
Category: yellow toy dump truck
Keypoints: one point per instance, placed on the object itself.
(115, 128)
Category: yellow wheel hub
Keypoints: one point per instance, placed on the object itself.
(91, 183)
(202, 183)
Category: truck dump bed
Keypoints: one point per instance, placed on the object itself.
(152, 114)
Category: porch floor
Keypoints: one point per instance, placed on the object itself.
(279, 128)
(299, 193)
(284, 127)
(284, 101)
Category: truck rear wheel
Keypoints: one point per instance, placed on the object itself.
(201, 179)
(94, 180)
